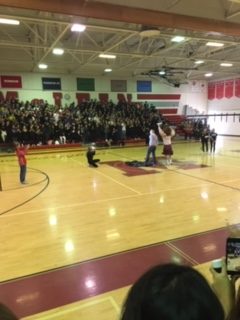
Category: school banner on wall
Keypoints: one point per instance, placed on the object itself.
(229, 85)
(118, 85)
(85, 84)
(51, 84)
(211, 91)
(220, 89)
(144, 86)
(237, 88)
(11, 81)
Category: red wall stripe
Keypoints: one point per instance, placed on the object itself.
(158, 96)
(167, 111)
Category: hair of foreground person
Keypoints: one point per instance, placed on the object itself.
(6, 313)
(172, 292)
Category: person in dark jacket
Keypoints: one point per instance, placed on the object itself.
(90, 155)
(213, 138)
(205, 139)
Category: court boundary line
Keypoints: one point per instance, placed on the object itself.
(205, 180)
(30, 199)
(114, 304)
(103, 200)
(192, 176)
(110, 178)
(119, 183)
(72, 265)
(182, 253)
(75, 308)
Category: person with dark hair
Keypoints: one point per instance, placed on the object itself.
(167, 133)
(91, 151)
(172, 292)
(21, 151)
(6, 313)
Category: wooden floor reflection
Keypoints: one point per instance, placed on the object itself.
(69, 212)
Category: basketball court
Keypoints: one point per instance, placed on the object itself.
(74, 238)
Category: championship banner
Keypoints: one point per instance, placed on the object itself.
(103, 97)
(144, 86)
(211, 91)
(85, 84)
(220, 89)
(11, 82)
(51, 84)
(82, 97)
(229, 85)
(118, 85)
(237, 88)
(57, 98)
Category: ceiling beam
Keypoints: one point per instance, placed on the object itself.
(233, 14)
(100, 10)
(54, 43)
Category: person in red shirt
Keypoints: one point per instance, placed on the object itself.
(21, 151)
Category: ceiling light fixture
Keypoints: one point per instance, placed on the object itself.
(178, 39)
(162, 72)
(199, 61)
(107, 70)
(58, 51)
(107, 56)
(76, 27)
(9, 21)
(208, 74)
(151, 32)
(226, 64)
(214, 44)
(42, 66)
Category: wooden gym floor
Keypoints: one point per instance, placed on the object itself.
(74, 238)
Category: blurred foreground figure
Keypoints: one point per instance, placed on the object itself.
(6, 314)
(172, 292)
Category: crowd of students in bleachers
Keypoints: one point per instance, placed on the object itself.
(42, 123)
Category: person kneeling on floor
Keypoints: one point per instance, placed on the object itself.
(90, 155)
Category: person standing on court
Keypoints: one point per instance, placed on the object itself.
(21, 151)
(213, 138)
(152, 146)
(167, 133)
(204, 139)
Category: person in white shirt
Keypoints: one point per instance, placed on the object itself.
(167, 133)
(152, 146)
